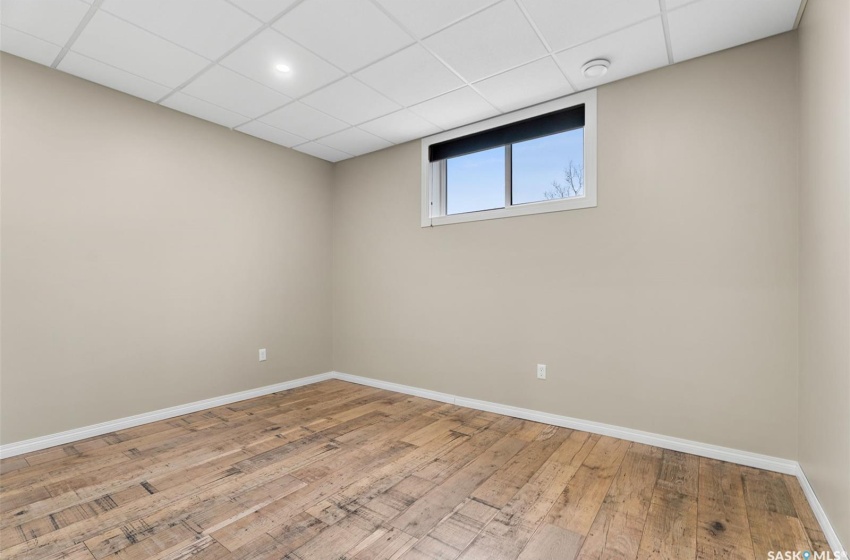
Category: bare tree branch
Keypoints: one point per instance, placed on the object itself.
(574, 183)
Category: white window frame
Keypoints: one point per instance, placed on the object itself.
(433, 174)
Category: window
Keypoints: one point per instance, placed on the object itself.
(540, 159)
(477, 181)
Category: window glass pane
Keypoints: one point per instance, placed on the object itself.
(475, 181)
(548, 168)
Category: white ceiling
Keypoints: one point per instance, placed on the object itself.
(367, 74)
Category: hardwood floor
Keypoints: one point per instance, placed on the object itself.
(336, 470)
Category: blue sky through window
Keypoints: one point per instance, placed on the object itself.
(538, 162)
(477, 181)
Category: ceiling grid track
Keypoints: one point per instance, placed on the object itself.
(453, 42)
(546, 44)
(421, 43)
(95, 6)
(666, 25)
(230, 51)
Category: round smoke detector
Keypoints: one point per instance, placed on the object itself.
(595, 68)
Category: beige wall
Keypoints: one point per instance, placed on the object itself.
(671, 308)
(825, 256)
(148, 255)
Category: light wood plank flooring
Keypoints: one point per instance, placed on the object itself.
(340, 471)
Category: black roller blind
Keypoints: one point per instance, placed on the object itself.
(535, 127)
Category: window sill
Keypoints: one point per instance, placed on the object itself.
(542, 207)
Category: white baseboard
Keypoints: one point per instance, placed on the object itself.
(820, 515)
(77, 434)
(766, 462)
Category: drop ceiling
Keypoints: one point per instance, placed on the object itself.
(367, 74)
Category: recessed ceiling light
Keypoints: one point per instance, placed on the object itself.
(595, 68)
(282, 68)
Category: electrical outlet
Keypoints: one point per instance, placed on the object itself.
(262, 354)
(541, 371)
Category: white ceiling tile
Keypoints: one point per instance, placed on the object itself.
(305, 121)
(265, 10)
(111, 77)
(270, 133)
(351, 101)
(323, 152)
(639, 48)
(566, 23)
(209, 29)
(426, 17)
(123, 45)
(732, 23)
(673, 4)
(533, 83)
(410, 76)
(235, 92)
(203, 110)
(460, 107)
(400, 126)
(53, 21)
(488, 42)
(26, 46)
(258, 57)
(154, 46)
(355, 142)
(350, 34)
